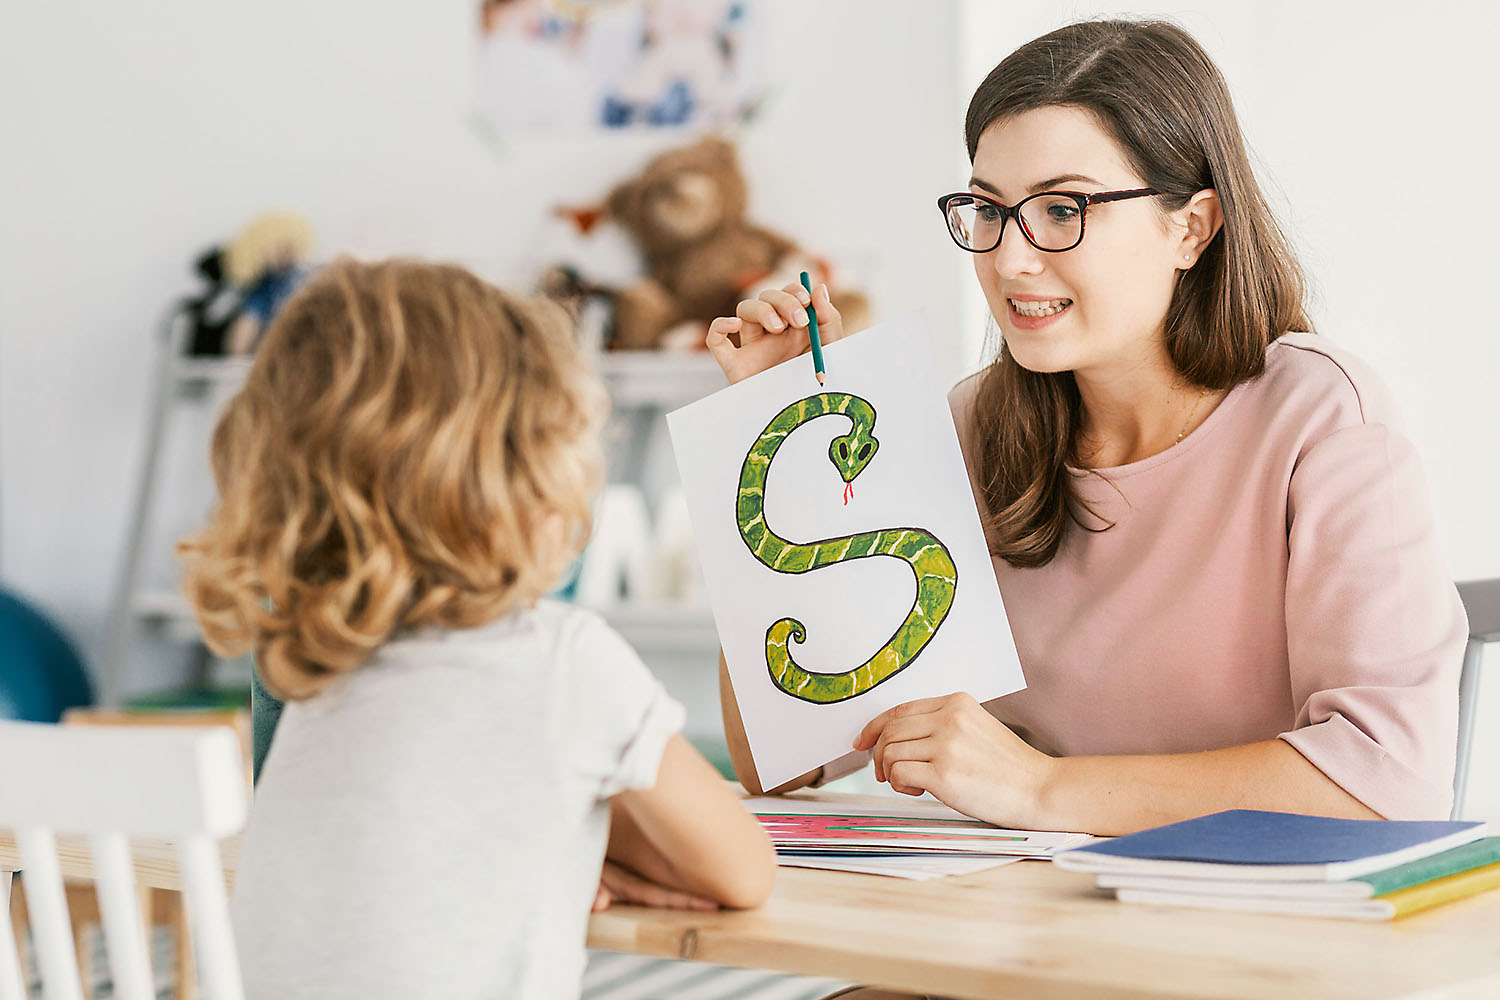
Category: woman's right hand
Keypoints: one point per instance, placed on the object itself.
(771, 328)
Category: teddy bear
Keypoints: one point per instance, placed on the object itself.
(686, 214)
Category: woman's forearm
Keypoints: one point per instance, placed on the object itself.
(1112, 795)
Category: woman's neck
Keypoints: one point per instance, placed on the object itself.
(1133, 411)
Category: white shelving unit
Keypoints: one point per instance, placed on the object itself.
(642, 385)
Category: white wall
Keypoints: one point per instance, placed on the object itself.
(1373, 133)
(139, 134)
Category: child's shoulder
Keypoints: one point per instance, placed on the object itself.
(550, 629)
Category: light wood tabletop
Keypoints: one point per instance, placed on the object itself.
(1026, 930)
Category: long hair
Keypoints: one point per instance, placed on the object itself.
(412, 447)
(1154, 90)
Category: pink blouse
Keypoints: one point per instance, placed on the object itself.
(1275, 574)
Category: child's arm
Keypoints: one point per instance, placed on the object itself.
(690, 832)
(739, 746)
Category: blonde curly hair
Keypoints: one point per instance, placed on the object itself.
(413, 447)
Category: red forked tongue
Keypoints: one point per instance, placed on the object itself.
(848, 493)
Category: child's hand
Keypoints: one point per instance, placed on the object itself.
(770, 329)
(621, 885)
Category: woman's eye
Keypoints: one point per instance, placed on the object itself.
(989, 214)
(1062, 212)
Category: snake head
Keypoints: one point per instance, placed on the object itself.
(852, 452)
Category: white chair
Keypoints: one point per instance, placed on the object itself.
(185, 785)
(1482, 603)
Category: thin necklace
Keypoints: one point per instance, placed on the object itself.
(1191, 414)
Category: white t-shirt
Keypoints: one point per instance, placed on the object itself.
(433, 824)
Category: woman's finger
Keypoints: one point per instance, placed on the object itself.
(795, 288)
(788, 306)
(718, 342)
(868, 735)
(830, 323)
(898, 731)
(913, 777)
(761, 312)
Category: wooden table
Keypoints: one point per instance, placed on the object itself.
(1027, 930)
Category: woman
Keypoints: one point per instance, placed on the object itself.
(1214, 545)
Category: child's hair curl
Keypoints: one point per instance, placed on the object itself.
(413, 447)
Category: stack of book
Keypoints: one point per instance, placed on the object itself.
(1267, 862)
(904, 839)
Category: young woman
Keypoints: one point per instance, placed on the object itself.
(1212, 538)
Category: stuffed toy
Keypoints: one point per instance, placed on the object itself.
(212, 312)
(686, 213)
(266, 261)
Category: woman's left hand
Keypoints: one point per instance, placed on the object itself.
(962, 754)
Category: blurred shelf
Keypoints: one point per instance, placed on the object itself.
(191, 370)
(659, 378)
(650, 627)
(664, 628)
(634, 378)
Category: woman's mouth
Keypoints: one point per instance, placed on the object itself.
(1038, 308)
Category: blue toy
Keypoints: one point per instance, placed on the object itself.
(41, 673)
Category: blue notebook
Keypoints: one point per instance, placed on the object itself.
(1249, 844)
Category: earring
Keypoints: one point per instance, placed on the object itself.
(1188, 257)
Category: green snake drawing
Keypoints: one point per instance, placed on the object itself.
(937, 577)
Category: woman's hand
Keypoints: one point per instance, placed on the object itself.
(960, 753)
(621, 885)
(770, 329)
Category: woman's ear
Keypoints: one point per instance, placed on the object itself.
(1201, 219)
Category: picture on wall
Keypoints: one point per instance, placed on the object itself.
(616, 64)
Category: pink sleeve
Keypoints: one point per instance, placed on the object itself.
(1375, 629)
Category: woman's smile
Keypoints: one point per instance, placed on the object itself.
(1033, 313)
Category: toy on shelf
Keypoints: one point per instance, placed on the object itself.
(212, 312)
(267, 261)
(685, 212)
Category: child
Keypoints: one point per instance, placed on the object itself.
(406, 471)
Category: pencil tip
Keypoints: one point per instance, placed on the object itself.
(819, 376)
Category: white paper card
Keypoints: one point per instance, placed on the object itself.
(853, 610)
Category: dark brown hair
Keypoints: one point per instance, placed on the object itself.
(1155, 91)
(413, 447)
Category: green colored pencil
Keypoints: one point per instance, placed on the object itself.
(812, 333)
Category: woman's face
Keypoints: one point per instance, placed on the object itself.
(1113, 288)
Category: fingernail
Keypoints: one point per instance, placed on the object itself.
(776, 323)
(801, 317)
(826, 297)
(804, 296)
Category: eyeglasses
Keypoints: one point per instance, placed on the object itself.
(1051, 221)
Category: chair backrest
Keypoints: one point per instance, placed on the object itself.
(186, 785)
(1482, 604)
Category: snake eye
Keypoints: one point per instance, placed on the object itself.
(843, 450)
(864, 452)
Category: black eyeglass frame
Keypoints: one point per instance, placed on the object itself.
(1007, 213)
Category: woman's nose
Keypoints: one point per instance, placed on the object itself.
(1015, 256)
